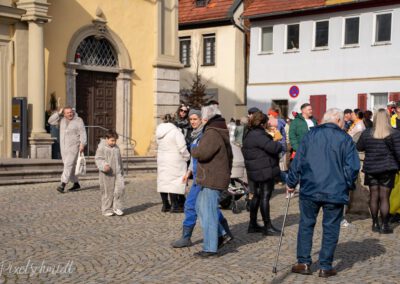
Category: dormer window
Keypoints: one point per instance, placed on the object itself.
(201, 3)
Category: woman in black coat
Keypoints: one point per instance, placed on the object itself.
(261, 157)
(381, 144)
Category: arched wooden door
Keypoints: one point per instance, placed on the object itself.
(96, 104)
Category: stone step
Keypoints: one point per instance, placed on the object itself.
(25, 171)
(25, 164)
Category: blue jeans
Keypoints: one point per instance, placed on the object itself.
(333, 214)
(207, 210)
(190, 208)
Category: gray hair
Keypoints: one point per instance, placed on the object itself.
(333, 115)
(210, 111)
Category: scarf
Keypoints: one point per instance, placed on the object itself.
(196, 132)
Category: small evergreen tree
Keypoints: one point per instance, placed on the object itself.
(195, 97)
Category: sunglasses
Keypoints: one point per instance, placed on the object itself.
(182, 110)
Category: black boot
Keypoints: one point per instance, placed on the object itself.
(254, 227)
(61, 187)
(175, 203)
(75, 186)
(386, 228)
(166, 206)
(184, 241)
(181, 202)
(376, 227)
(269, 230)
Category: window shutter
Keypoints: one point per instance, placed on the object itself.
(362, 102)
(395, 96)
(318, 104)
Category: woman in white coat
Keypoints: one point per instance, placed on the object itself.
(172, 157)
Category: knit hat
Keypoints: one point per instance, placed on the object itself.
(253, 110)
(195, 111)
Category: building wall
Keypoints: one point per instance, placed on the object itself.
(13, 43)
(338, 72)
(134, 22)
(228, 73)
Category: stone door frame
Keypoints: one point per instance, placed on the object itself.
(124, 77)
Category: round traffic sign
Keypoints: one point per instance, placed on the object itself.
(294, 91)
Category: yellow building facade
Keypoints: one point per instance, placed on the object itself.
(116, 62)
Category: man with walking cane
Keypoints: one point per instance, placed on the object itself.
(326, 165)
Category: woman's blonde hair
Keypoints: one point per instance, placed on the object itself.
(381, 126)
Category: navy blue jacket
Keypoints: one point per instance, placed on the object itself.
(326, 164)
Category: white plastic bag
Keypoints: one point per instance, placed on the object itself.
(80, 169)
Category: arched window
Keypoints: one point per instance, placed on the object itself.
(96, 52)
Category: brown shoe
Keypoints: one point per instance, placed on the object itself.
(327, 273)
(301, 268)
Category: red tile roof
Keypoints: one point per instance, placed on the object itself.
(262, 7)
(215, 10)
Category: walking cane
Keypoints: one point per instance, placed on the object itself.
(280, 239)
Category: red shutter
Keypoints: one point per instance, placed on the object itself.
(318, 103)
(395, 96)
(362, 102)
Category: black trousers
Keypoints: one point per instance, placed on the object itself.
(262, 192)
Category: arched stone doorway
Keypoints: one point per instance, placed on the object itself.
(98, 82)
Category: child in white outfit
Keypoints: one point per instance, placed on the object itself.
(109, 162)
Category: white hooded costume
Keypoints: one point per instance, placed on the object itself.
(172, 155)
(112, 184)
(72, 135)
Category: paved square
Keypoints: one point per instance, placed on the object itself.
(47, 237)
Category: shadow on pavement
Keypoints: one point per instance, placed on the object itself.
(243, 238)
(352, 252)
(141, 207)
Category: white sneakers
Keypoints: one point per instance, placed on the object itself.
(345, 224)
(119, 212)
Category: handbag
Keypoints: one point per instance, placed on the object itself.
(80, 169)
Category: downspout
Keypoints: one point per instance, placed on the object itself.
(244, 54)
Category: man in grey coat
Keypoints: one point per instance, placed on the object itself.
(72, 142)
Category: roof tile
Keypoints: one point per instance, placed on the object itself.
(215, 10)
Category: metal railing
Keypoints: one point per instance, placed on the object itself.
(127, 139)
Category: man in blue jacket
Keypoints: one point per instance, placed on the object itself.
(326, 166)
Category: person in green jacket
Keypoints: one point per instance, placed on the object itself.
(301, 125)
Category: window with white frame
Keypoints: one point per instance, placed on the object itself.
(321, 34)
(184, 50)
(209, 49)
(351, 31)
(293, 37)
(383, 27)
(267, 39)
(379, 100)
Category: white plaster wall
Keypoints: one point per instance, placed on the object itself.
(336, 62)
(228, 73)
(340, 73)
(339, 94)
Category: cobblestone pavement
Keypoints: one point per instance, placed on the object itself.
(40, 229)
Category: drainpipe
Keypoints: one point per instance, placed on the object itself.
(244, 54)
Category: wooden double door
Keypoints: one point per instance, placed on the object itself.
(96, 104)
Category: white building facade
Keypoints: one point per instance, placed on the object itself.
(347, 58)
(216, 48)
